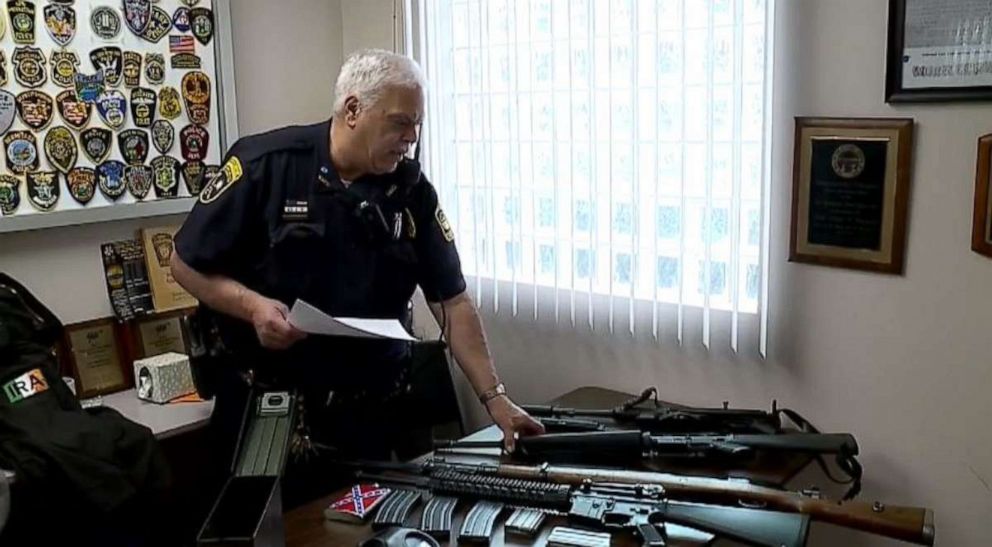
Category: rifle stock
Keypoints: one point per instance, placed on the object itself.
(912, 524)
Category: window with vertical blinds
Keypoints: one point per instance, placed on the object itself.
(602, 147)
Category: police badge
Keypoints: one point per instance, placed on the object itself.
(112, 107)
(155, 68)
(60, 149)
(133, 144)
(3, 67)
(158, 25)
(193, 141)
(196, 94)
(29, 66)
(82, 184)
(193, 172)
(165, 170)
(22, 151)
(64, 64)
(89, 86)
(137, 13)
(109, 60)
(180, 19)
(73, 111)
(168, 103)
(202, 22)
(105, 22)
(132, 68)
(110, 179)
(60, 20)
(138, 179)
(7, 110)
(10, 194)
(34, 108)
(43, 189)
(21, 15)
(143, 102)
(96, 143)
(163, 135)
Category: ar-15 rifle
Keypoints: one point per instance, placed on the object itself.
(666, 417)
(912, 524)
(611, 446)
(643, 509)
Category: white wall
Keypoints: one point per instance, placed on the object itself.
(281, 78)
(902, 362)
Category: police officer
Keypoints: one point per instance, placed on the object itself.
(334, 214)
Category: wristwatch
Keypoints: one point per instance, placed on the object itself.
(492, 393)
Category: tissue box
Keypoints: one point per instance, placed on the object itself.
(164, 377)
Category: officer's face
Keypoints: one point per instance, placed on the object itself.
(390, 127)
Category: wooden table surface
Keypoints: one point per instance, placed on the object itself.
(307, 527)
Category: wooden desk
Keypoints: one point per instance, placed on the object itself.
(307, 527)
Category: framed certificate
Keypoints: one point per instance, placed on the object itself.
(850, 192)
(981, 229)
(938, 50)
(96, 356)
(157, 334)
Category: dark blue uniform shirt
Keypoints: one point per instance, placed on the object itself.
(279, 220)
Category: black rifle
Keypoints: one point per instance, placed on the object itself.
(643, 509)
(665, 417)
(913, 524)
(613, 446)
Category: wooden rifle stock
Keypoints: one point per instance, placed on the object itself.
(913, 524)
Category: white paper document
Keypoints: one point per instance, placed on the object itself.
(311, 320)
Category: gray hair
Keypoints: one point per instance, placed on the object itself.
(368, 72)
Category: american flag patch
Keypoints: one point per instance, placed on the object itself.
(356, 504)
(181, 44)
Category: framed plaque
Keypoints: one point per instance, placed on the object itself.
(938, 50)
(157, 334)
(850, 192)
(96, 356)
(981, 229)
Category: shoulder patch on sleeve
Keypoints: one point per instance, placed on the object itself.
(442, 222)
(224, 179)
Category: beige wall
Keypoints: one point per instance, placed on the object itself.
(285, 62)
(903, 362)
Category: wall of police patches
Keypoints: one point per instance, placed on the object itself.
(105, 102)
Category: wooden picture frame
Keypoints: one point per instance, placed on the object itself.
(981, 231)
(850, 192)
(97, 357)
(934, 66)
(158, 333)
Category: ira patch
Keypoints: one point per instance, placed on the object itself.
(10, 194)
(26, 385)
(82, 184)
(230, 173)
(442, 222)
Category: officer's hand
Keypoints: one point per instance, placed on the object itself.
(272, 326)
(513, 420)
